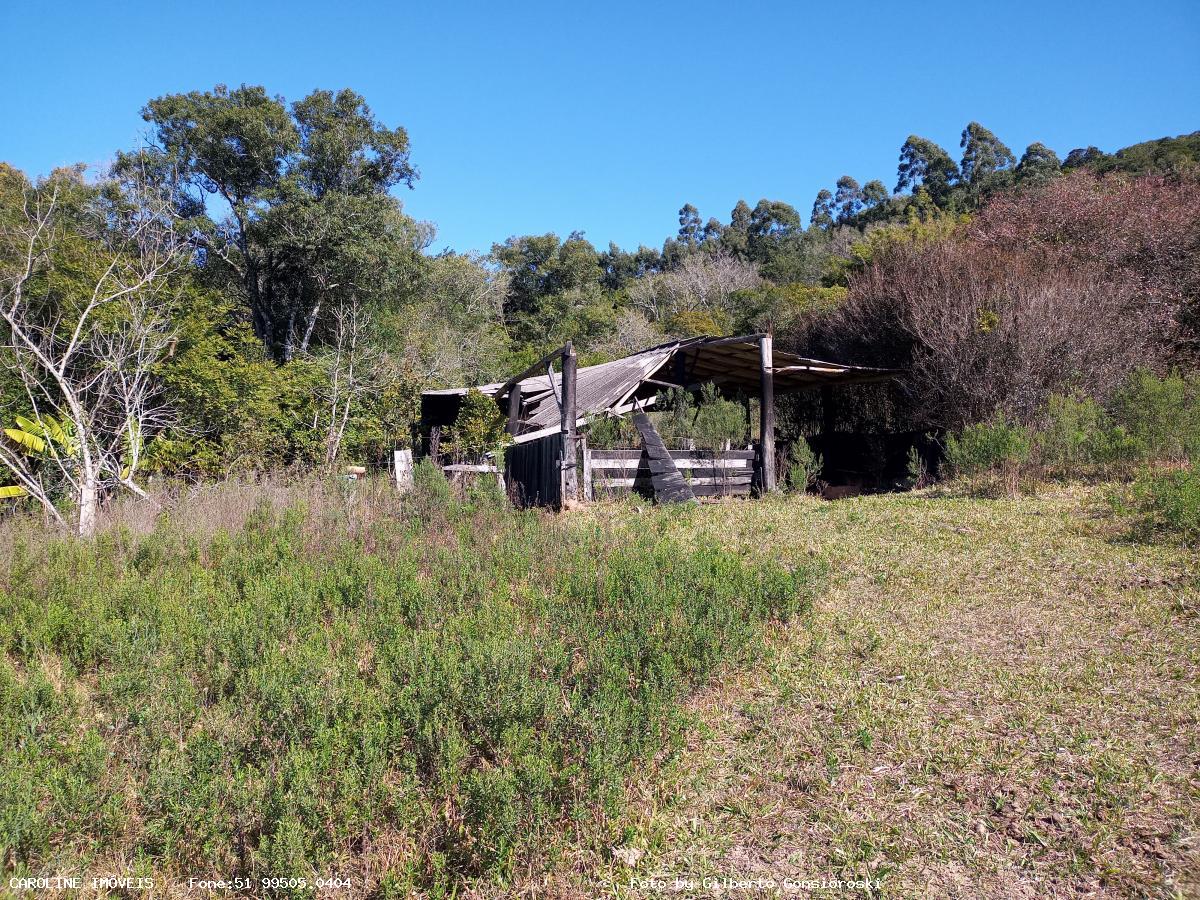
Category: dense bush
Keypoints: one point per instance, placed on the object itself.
(1148, 421)
(1067, 288)
(1164, 504)
(997, 448)
(430, 699)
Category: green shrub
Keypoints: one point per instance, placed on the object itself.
(608, 433)
(1077, 438)
(479, 428)
(710, 422)
(997, 448)
(1165, 504)
(460, 679)
(804, 467)
(1160, 415)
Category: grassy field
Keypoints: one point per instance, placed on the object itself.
(412, 696)
(990, 699)
(949, 697)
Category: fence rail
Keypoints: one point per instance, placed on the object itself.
(723, 474)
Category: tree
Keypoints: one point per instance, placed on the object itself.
(823, 210)
(874, 192)
(276, 171)
(713, 230)
(772, 224)
(689, 225)
(984, 157)
(1038, 164)
(1083, 157)
(353, 368)
(703, 281)
(736, 238)
(924, 163)
(848, 198)
(84, 300)
(455, 333)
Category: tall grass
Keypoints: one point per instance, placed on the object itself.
(415, 697)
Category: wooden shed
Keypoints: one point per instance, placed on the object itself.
(546, 406)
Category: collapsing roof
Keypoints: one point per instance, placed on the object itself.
(730, 363)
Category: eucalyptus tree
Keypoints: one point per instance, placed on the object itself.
(925, 164)
(987, 163)
(1038, 164)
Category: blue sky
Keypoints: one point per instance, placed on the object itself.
(535, 117)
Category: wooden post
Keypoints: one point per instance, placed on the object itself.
(767, 413)
(514, 409)
(403, 464)
(435, 443)
(586, 492)
(570, 479)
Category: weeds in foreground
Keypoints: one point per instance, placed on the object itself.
(426, 700)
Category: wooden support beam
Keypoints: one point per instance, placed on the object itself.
(532, 370)
(767, 412)
(435, 442)
(514, 409)
(570, 478)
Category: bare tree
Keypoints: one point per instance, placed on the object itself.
(353, 371)
(702, 281)
(458, 330)
(86, 359)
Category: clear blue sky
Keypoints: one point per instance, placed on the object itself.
(607, 117)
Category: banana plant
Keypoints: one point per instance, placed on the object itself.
(44, 436)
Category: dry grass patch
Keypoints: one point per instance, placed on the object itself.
(992, 699)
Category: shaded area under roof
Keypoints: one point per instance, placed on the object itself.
(731, 363)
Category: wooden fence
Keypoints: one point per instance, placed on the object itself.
(533, 471)
(725, 474)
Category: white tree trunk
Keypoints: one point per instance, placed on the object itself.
(88, 504)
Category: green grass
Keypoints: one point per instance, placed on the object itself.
(953, 696)
(422, 698)
(989, 699)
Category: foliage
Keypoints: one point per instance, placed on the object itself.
(1078, 438)
(999, 447)
(1164, 503)
(1164, 156)
(461, 680)
(478, 429)
(708, 421)
(302, 192)
(804, 467)
(1161, 415)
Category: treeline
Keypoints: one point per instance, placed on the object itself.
(246, 292)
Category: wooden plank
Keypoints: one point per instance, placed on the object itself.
(469, 467)
(669, 486)
(514, 409)
(702, 490)
(688, 474)
(600, 456)
(648, 482)
(729, 464)
(586, 455)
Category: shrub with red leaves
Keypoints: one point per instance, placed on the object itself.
(1064, 289)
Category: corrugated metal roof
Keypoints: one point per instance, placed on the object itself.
(730, 362)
